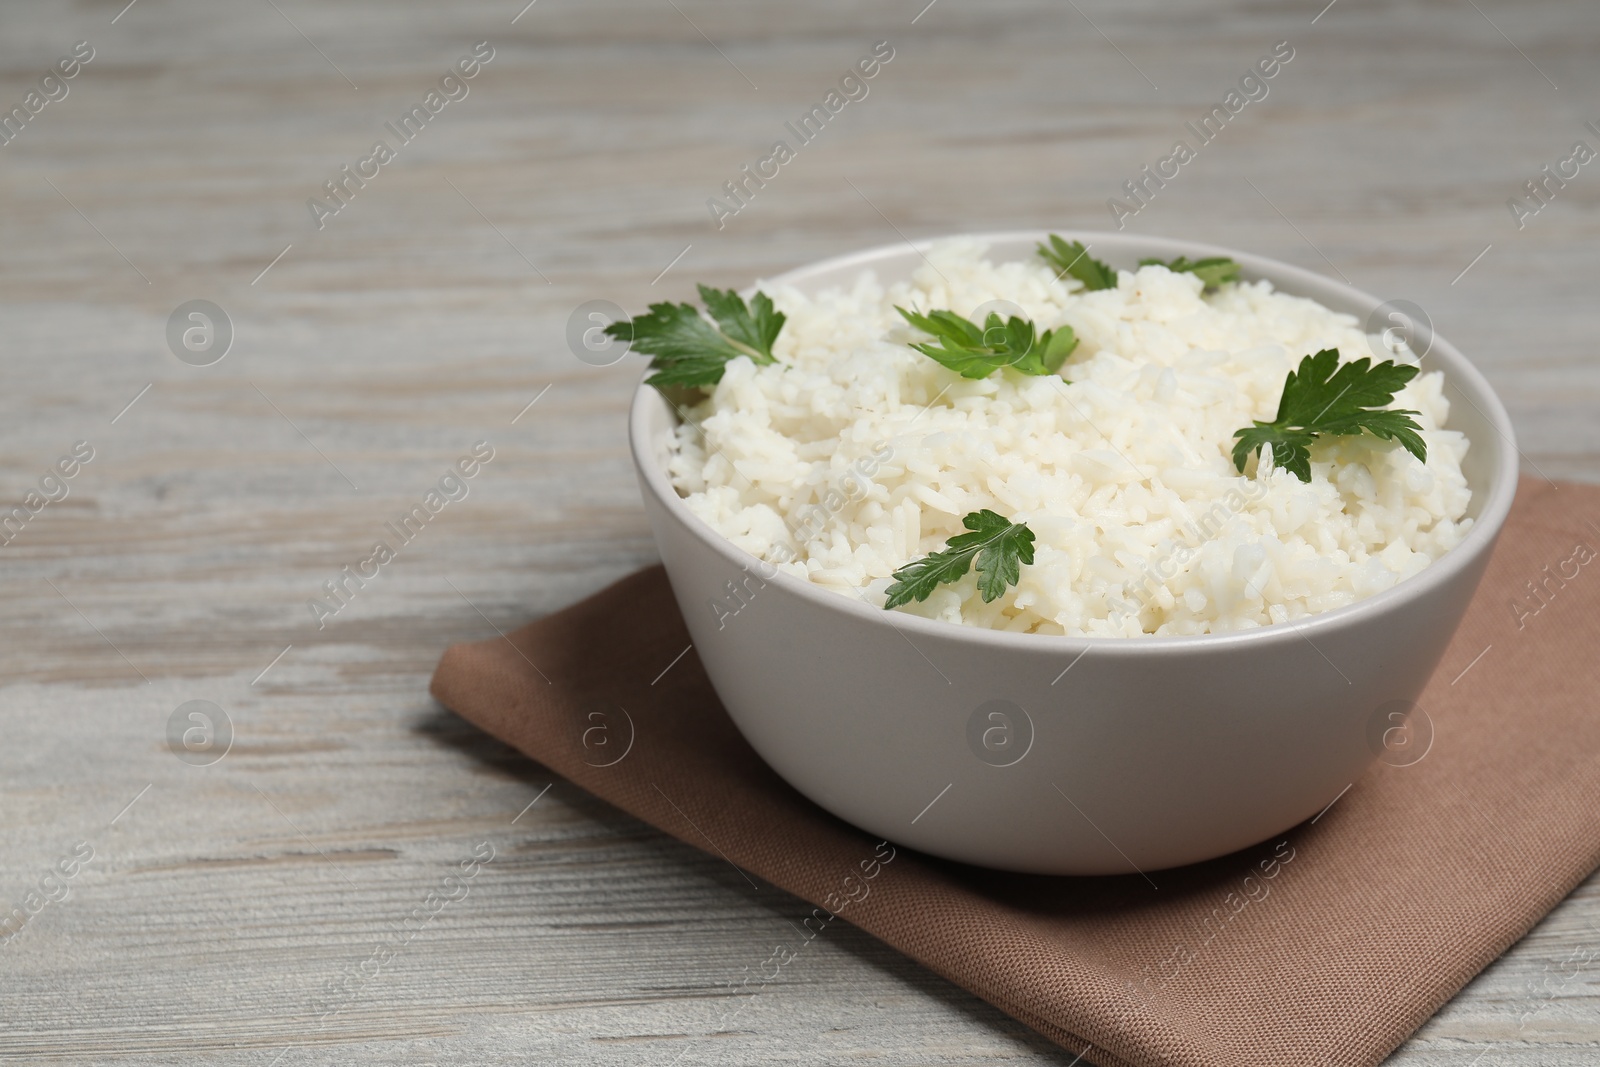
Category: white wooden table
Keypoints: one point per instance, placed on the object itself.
(430, 311)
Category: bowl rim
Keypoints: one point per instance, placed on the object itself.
(1496, 505)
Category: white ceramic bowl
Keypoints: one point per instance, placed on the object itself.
(972, 744)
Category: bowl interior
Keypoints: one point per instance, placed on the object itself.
(1490, 466)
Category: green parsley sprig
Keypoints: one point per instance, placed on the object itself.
(977, 352)
(1326, 398)
(1072, 257)
(1213, 270)
(999, 546)
(687, 349)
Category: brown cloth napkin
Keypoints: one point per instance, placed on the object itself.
(1325, 946)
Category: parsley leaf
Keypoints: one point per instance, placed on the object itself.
(1213, 270)
(1324, 397)
(689, 350)
(977, 352)
(1072, 257)
(999, 545)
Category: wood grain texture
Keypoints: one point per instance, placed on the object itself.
(429, 312)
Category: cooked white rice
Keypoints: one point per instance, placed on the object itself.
(855, 454)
